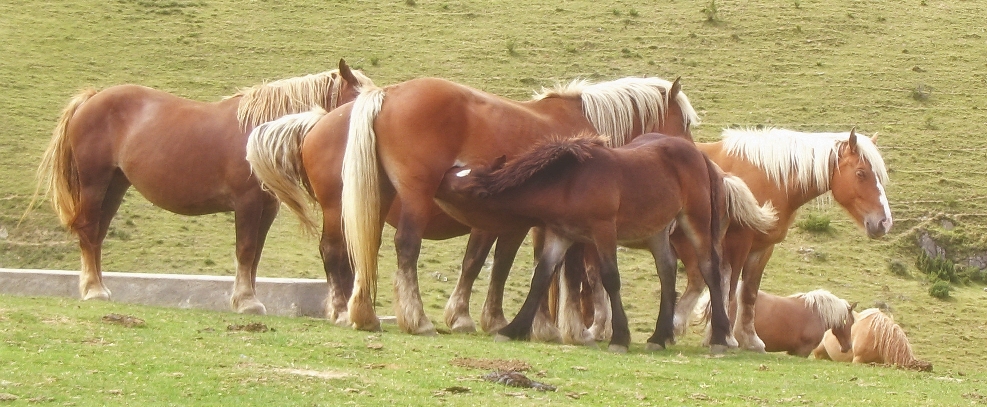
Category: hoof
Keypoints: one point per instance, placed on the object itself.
(369, 326)
(718, 349)
(653, 347)
(617, 348)
(102, 295)
(492, 325)
(462, 326)
(251, 306)
(343, 319)
(501, 338)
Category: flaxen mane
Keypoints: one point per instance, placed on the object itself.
(269, 101)
(611, 106)
(541, 157)
(890, 341)
(806, 157)
(834, 311)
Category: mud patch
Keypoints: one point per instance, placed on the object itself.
(512, 365)
(251, 327)
(125, 320)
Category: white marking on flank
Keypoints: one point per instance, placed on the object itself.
(466, 172)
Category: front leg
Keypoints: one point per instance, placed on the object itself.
(548, 264)
(457, 313)
(605, 239)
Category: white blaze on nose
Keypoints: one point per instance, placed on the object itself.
(466, 172)
(887, 207)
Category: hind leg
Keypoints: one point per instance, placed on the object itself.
(99, 199)
(685, 307)
(409, 309)
(570, 316)
(661, 250)
(457, 312)
(339, 274)
(492, 318)
(254, 215)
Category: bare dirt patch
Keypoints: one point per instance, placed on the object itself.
(512, 365)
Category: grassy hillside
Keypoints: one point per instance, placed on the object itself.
(912, 72)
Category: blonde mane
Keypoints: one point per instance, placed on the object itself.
(807, 159)
(271, 100)
(833, 310)
(889, 338)
(611, 106)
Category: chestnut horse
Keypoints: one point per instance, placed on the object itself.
(876, 339)
(182, 155)
(788, 169)
(418, 129)
(796, 324)
(578, 190)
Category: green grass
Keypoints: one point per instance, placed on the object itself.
(909, 72)
(62, 352)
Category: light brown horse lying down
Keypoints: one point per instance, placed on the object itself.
(876, 339)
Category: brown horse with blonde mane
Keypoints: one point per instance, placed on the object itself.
(788, 169)
(797, 323)
(383, 157)
(579, 190)
(876, 339)
(183, 155)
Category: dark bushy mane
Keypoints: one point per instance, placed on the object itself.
(549, 154)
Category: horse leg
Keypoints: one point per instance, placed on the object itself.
(457, 312)
(548, 263)
(685, 307)
(605, 239)
(705, 247)
(570, 315)
(253, 216)
(335, 263)
(492, 319)
(99, 200)
(601, 324)
(661, 250)
(409, 310)
(744, 326)
(545, 328)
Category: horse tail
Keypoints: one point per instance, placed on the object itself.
(536, 160)
(743, 207)
(274, 151)
(702, 312)
(361, 200)
(717, 198)
(58, 175)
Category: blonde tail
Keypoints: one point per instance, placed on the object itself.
(361, 193)
(274, 151)
(57, 173)
(743, 207)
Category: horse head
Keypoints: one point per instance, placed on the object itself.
(679, 114)
(858, 185)
(843, 331)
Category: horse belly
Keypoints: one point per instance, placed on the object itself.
(187, 175)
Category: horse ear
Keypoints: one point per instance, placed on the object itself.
(347, 74)
(873, 139)
(853, 306)
(673, 92)
(852, 141)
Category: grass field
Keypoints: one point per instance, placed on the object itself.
(912, 72)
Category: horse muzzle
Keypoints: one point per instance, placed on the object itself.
(877, 226)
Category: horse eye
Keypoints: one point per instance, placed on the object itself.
(860, 174)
